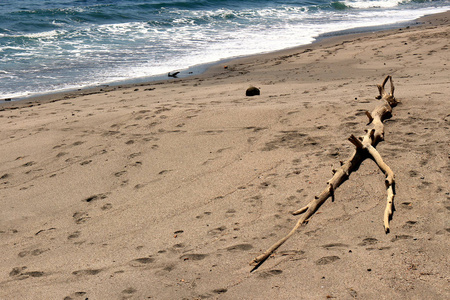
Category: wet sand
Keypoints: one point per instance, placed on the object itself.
(167, 190)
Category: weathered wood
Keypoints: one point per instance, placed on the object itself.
(364, 148)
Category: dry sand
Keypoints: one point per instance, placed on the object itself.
(168, 190)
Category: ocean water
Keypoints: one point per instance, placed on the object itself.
(55, 45)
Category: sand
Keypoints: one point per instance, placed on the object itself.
(167, 190)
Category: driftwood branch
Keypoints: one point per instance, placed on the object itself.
(364, 148)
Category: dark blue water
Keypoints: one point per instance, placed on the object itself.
(53, 45)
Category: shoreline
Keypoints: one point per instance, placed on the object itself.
(214, 68)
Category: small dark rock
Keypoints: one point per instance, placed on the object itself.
(252, 91)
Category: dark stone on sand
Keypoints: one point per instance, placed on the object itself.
(252, 91)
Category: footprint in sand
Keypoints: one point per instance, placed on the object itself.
(34, 252)
(139, 186)
(335, 245)
(368, 241)
(83, 163)
(270, 273)
(74, 235)
(129, 291)
(208, 161)
(76, 295)
(327, 260)
(78, 143)
(207, 213)
(212, 132)
(80, 217)
(401, 237)
(162, 270)
(409, 224)
(264, 185)
(95, 197)
(193, 256)
(106, 206)
(118, 174)
(87, 272)
(178, 246)
(240, 247)
(61, 154)
(407, 205)
(140, 262)
(9, 231)
(133, 155)
(220, 291)
(28, 164)
(230, 212)
(413, 173)
(217, 230)
(164, 172)
(353, 293)
(18, 273)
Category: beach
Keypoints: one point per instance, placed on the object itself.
(168, 189)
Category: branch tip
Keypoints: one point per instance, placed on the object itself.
(369, 116)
